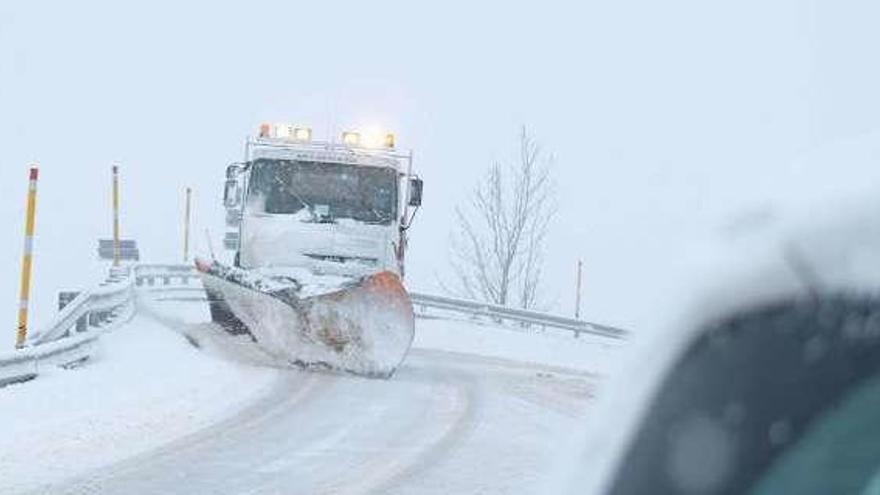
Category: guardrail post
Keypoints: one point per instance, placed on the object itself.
(65, 298)
(27, 260)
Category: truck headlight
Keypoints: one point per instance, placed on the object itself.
(302, 134)
(351, 138)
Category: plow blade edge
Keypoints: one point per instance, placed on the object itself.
(365, 327)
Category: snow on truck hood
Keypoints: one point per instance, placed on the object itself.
(825, 248)
(271, 242)
(307, 283)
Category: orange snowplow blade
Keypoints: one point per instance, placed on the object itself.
(339, 317)
(365, 328)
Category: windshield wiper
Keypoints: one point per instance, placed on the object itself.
(308, 206)
(380, 218)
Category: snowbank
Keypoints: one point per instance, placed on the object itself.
(586, 353)
(146, 386)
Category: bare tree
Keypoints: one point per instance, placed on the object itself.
(497, 251)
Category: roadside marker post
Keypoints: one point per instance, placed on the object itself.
(115, 215)
(186, 226)
(27, 260)
(577, 304)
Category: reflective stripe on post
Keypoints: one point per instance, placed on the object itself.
(27, 260)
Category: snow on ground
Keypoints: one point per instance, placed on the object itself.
(550, 347)
(445, 423)
(146, 386)
(149, 387)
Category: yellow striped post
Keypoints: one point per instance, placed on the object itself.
(115, 215)
(186, 226)
(577, 304)
(27, 260)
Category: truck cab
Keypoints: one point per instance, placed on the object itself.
(334, 208)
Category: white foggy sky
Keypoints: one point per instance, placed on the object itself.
(665, 118)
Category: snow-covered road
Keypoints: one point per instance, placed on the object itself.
(447, 422)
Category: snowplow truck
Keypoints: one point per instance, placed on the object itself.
(316, 239)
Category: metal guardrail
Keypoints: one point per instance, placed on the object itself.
(112, 303)
(97, 306)
(60, 343)
(95, 311)
(503, 313)
(148, 275)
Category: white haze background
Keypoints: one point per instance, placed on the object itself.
(665, 118)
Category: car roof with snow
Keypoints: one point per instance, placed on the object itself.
(780, 327)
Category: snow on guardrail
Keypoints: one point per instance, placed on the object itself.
(503, 313)
(71, 336)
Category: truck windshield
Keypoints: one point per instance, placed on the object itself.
(327, 191)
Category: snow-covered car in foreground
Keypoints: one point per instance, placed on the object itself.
(770, 383)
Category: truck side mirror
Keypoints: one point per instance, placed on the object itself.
(231, 194)
(415, 191)
(232, 171)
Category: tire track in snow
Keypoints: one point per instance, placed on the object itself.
(327, 433)
(127, 476)
(448, 418)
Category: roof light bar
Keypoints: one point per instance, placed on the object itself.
(302, 134)
(287, 132)
(351, 138)
(265, 130)
(373, 140)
